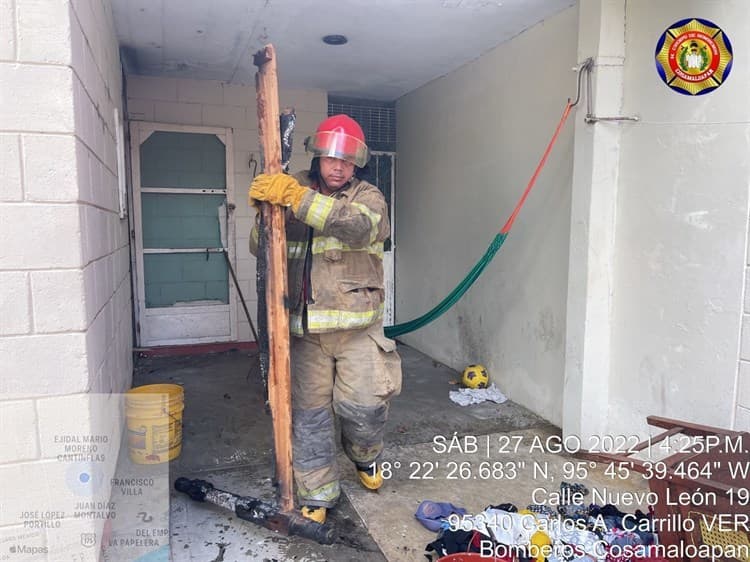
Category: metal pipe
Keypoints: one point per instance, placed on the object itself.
(587, 67)
(594, 119)
(257, 511)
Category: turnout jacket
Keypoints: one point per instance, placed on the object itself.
(339, 240)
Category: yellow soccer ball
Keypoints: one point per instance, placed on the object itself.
(475, 376)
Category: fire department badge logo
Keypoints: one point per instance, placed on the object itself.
(694, 57)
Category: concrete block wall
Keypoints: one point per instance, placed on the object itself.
(65, 311)
(217, 104)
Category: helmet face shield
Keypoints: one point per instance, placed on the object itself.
(338, 144)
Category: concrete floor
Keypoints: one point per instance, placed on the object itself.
(227, 440)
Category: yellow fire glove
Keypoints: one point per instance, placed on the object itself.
(278, 189)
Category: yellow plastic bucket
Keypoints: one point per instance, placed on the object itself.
(154, 421)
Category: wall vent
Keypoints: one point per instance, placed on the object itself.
(377, 119)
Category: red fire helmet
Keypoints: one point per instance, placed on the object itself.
(340, 136)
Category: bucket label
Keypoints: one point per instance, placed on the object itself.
(137, 437)
(160, 437)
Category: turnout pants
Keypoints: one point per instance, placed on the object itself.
(351, 374)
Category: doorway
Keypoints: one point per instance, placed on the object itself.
(184, 234)
(381, 172)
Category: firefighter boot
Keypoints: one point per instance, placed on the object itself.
(371, 478)
(314, 512)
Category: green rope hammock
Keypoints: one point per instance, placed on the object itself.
(453, 297)
(468, 281)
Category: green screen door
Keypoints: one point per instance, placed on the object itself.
(181, 195)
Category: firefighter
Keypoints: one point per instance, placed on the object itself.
(342, 364)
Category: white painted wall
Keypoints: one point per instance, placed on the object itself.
(467, 145)
(65, 320)
(659, 228)
(213, 103)
(588, 334)
(682, 216)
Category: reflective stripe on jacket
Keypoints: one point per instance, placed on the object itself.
(349, 229)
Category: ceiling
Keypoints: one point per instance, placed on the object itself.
(394, 46)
